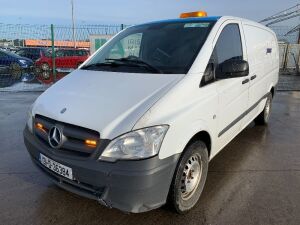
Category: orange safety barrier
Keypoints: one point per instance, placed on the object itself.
(47, 43)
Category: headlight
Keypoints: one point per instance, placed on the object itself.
(22, 61)
(30, 119)
(138, 144)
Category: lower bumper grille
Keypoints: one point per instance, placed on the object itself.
(79, 188)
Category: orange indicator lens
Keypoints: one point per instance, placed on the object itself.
(91, 143)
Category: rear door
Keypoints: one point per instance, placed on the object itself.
(82, 56)
(59, 59)
(233, 92)
(64, 60)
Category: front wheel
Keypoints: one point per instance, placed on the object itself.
(189, 178)
(45, 67)
(264, 116)
(15, 71)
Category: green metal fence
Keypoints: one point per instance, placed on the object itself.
(61, 49)
(60, 44)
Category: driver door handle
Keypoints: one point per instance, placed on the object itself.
(253, 77)
(245, 81)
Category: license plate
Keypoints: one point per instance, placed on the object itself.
(56, 167)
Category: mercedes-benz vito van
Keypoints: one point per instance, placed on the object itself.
(137, 124)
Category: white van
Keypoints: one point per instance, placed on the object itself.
(136, 125)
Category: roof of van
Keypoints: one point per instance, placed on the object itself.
(212, 18)
(192, 19)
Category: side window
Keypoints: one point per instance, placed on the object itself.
(228, 47)
(70, 53)
(79, 53)
(59, 53)
(229, 44)
(2, 54)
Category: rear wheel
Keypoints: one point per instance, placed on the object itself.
(264, 116)
(189, 178)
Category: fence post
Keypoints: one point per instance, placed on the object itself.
(53, 54)
(285, 58)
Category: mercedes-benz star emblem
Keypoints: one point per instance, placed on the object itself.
(55, 137)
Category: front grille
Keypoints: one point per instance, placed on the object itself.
(73, 136)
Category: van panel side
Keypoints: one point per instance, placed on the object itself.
(263, 61)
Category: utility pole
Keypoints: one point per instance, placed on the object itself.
(73, 24)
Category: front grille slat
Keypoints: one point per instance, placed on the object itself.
(77, 146)
(46, 123)
(74, 136)
(80, 134)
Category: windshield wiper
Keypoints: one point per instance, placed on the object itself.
(99, 65)
(136, 62)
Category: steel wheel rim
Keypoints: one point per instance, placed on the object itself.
(45, 67)
(46, 75)
(191, 176)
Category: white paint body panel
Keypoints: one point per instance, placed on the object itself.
(116, 103)
(110, 103)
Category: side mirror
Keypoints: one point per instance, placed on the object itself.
(233, 68)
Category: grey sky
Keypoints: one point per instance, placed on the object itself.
(131, 11)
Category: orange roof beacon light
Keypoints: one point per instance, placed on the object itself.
(193, 14)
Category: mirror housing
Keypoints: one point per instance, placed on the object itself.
(233, 68)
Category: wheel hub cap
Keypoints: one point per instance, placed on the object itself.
(191, 176)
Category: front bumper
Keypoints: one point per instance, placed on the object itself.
(131, 186)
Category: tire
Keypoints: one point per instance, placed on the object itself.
(46, 75)
(45, 67)
(189, 178)
(264, 116)
(15, 71)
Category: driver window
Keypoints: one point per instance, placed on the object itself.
(128, 46)
(228, 46)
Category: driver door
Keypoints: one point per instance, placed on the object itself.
(232, 92)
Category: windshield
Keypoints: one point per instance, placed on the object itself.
(165, 47)
(28, 51)
(12, 54)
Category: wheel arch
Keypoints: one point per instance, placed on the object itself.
(272, 90)
(201, 136)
